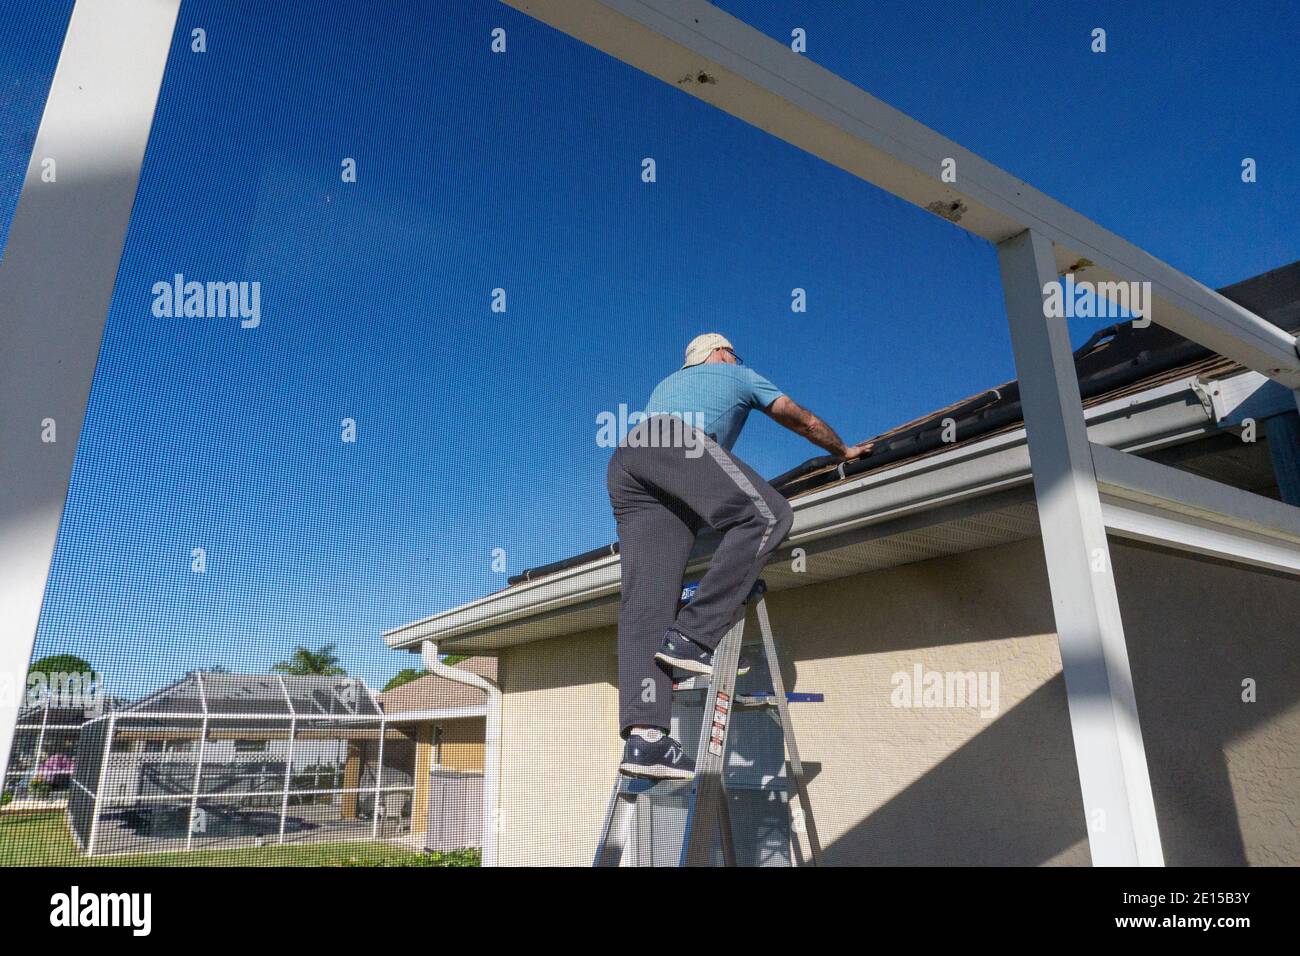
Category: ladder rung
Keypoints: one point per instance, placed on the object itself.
(635, 786)
(768, 699)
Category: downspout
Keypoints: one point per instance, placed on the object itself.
(491, 741)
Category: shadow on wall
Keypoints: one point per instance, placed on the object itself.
(1225, 773)
(1006, 792)
(1007, 797)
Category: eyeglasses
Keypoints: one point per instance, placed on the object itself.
(739, 360)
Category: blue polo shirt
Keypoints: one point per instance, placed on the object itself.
(716, 394)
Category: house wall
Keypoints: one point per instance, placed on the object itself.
(423, 764)
(948, 785)
(559, 748)
(461, 746)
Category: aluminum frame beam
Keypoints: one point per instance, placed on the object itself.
(1113, 777)
(1174, 529)
(1126, 476)
(56, 282)
(723, 61)
(1148, 501)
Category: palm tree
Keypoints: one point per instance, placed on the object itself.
(323, 662)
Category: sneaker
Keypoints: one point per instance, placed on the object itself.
(664, 759)
(681, 652)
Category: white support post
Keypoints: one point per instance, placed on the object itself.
(98, 809)
(1117, 800)
(288, 776)
(64, 247)
(288, 762)
(379, 780)
(40, 741)
(198, 766)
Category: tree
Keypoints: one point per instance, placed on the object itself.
(408, 674)
(61, 664)
(323, 662)
(405, 676)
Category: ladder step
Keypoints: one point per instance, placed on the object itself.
(768, 699)
(756, 699)
(635, 786)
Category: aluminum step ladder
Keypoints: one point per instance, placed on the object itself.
(705, 797)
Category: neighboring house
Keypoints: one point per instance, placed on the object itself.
(220, 759)
(455, 739)
(449, 741)
(926, 562)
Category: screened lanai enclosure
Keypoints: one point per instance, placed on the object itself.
(220, 760)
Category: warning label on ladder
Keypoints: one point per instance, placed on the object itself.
(718, 732)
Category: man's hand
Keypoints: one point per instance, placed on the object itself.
(858, 451)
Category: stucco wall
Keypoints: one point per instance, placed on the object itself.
(461, 744)
(920, 785)
(560, 746)
(1226, 773)
(423, 763)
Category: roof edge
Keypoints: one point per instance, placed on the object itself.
(1165, 414)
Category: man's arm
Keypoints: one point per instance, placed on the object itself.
(799, 420)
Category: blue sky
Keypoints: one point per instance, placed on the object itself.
(476, 430)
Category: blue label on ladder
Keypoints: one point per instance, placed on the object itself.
(689, 590)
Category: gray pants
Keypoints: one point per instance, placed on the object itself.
(662, 495)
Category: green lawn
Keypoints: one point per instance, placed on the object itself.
(43, 839)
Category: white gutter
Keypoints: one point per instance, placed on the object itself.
(491, 741)
(1163, 414)
(437, 713)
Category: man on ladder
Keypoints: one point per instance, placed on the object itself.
(673, 475)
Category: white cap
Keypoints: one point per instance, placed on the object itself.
(702, 347)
